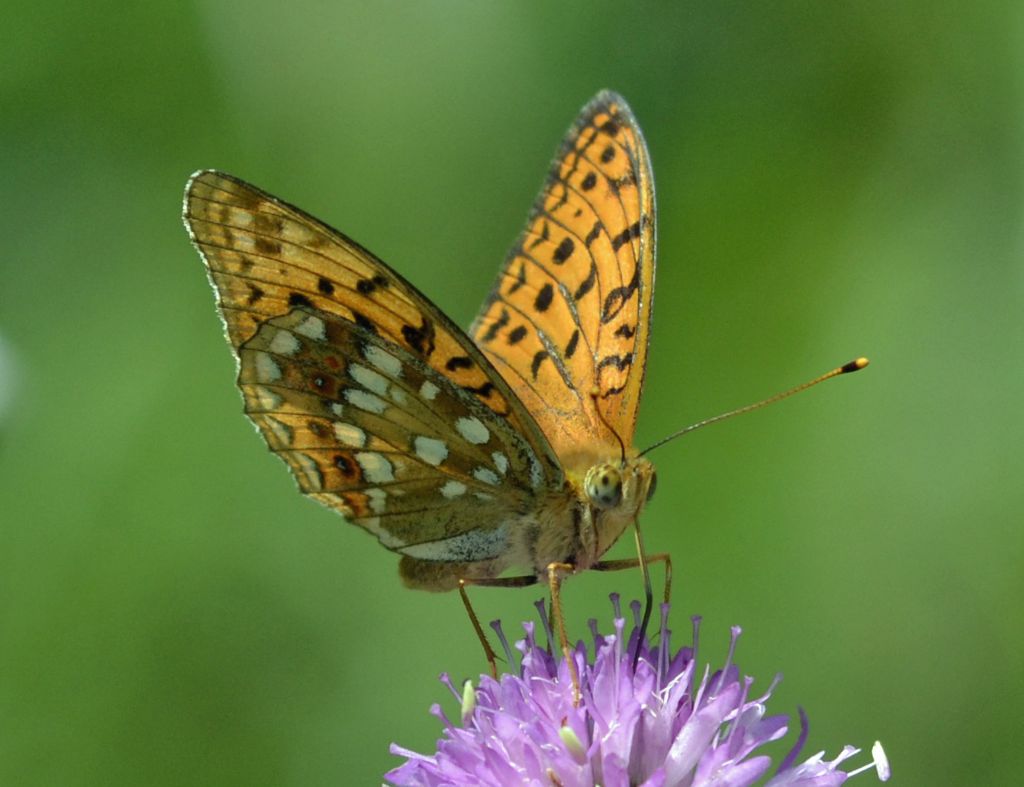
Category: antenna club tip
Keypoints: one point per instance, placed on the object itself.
(854, 366)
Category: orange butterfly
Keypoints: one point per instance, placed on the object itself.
(467, 456)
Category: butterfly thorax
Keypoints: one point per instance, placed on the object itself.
(595, 509)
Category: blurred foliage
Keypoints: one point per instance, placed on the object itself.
(834, 179)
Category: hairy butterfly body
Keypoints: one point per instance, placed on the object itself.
(508, 448)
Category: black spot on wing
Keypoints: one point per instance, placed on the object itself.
(298, 299)
(364, 322)
(458, 362)
(588, 283)
(624, 237)
(484, 390)
(368, 286)
(619, 297)
(620, 362)
(570, 348)
(348, 468)
(495, 327)
(564, 251)
(421, 339)
(517, 334)
(322, 384)
(538, 359)
(325, 286)
(544, 297)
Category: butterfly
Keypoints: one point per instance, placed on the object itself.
(472, 455)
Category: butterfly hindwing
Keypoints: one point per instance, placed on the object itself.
(571, 309)
(370, 430)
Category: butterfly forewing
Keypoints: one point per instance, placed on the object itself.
(571, 308)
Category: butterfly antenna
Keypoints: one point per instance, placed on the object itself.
(594, 394)
(852, 366)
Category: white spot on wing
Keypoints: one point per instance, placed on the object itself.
(265, 399)
(369, 379)
(500, 462)
(313, 327)
(365, 401)
(398, 396)
(384, 361)
(372, 524)
(281, 431)
(376, 467)
(337, 408)
(378, 500)
(486, 475)
(453, 489)
(430, 450)
(350, 435)
(267, 370)
(311, 470)
(428, 390)
(333, 501)
(284, 343)
(473, 430)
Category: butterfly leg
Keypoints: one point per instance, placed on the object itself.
(492, 659)
(621, 565)
(555, 573)
(517, 582)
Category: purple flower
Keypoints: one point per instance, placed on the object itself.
(662, 724)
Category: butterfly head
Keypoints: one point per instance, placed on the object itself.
(617, 492)
(624, 484)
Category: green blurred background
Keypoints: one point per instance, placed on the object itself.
(834, 179)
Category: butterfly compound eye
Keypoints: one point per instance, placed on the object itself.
(603, 486)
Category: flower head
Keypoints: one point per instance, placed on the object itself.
(660, 724)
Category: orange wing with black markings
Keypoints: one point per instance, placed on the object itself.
(570, 312)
